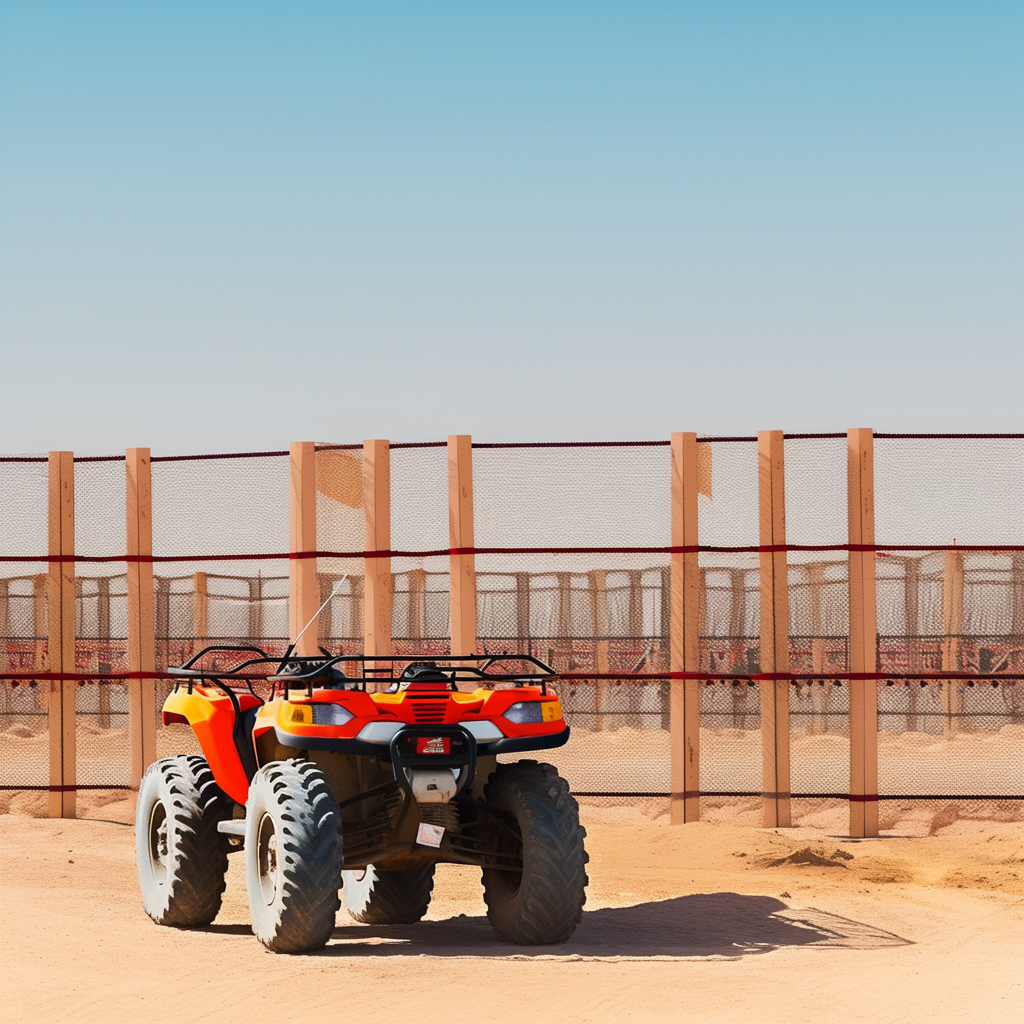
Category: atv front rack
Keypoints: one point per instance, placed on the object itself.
(328, 671)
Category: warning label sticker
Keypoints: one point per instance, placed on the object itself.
(429, 835)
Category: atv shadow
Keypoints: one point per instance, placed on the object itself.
(719, 925)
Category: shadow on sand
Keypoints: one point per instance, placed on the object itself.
(718, 925)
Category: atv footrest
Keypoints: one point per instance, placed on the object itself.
(236, 827)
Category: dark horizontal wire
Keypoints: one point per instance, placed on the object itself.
(812, 437)
(65, 789)
(31, 788)
(224, 455)
(154, 458)
(880, 549)
(793, 796)
(792, 677)
(525, 444)
(950, 437)
(395, 444)
(572, 444)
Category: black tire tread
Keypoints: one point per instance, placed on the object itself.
(309, 854)
(197, 874)
(549, 902)
(398, 897)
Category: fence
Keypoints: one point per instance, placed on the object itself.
(771, 626)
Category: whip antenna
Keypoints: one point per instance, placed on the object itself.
(316, 614)
(291, 646)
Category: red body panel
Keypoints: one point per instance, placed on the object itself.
(415, 706)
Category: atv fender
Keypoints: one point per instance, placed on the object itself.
(212, 718)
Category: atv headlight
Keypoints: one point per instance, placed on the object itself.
(331, 714)
(524, 713)
(533, 712)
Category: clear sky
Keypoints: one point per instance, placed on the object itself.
(227, 226)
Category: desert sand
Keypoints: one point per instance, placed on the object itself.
(705, 922)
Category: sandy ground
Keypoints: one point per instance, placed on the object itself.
(705, 922)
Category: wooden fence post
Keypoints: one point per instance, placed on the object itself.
(598, 580)
(684, 642)
(952, 609)
(303, 588)
(774, 629)
(602, 628)
(1017, 595)
(563, 620)
(61, 629)
(815, 585)
(952, 627)
(863, 635)
(40, 629)
(416, 612)
(200, 610)
(103, 631)
(5, 622)
(377, 506)
(141, 613)
(460, 540)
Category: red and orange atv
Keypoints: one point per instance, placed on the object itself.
(325, 785)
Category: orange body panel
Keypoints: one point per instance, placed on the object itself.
(212, 718)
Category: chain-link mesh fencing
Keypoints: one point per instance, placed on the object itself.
(24, 740)
(572, 563)
(24, 737)
(340, 528)
(419, 523)
(220, 543)
(947, 602)
(102, 749)
(819, 626)
(730, 628)
(573, 566)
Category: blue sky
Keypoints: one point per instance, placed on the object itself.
(227, 226)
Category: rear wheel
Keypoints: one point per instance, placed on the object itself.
(543, 903)
(388, 897)
(292, 856)
(181, 857)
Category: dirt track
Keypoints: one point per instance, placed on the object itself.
(690, 923)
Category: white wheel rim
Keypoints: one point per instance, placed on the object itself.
(158, 845)
(266, 852)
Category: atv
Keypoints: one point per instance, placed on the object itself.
(325, 782)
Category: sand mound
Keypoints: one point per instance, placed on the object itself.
(19, 731)
(808, 855)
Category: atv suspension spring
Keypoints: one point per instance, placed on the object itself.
(445, 815)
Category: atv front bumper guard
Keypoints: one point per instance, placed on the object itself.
(461, 755)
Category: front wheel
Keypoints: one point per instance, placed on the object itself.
(181, 857)
(543, 903)
(292, 856)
